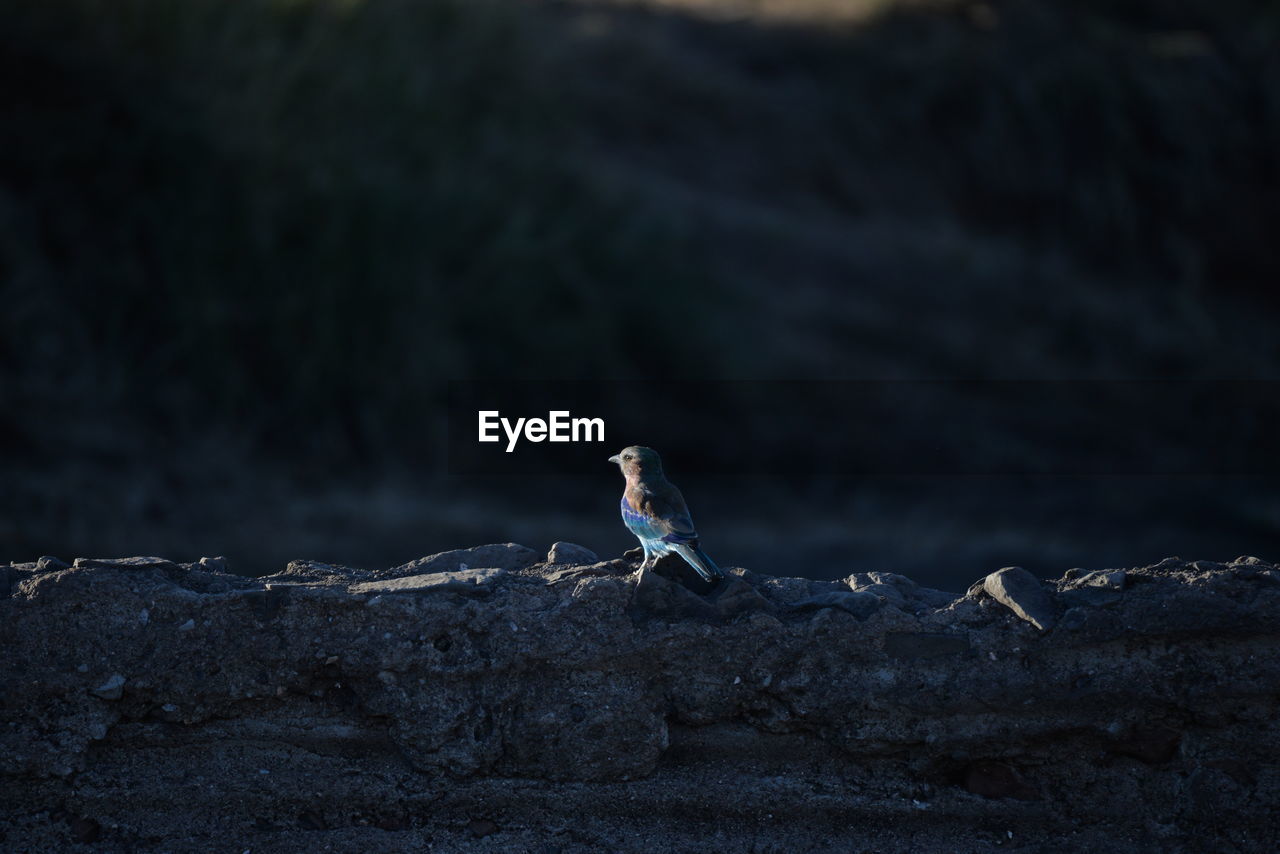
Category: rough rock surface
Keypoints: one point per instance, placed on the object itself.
(508, 705)
(1023, 594)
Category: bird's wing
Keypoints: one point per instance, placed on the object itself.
(667, 512)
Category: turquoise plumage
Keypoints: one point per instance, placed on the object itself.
(654, 510)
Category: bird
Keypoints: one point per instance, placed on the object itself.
(654, 510)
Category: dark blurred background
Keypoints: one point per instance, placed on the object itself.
(244, 248)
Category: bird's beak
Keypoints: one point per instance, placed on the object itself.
(614, 459)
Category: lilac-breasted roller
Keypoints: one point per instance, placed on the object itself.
(654, 510)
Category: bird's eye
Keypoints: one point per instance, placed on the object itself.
(626, 456)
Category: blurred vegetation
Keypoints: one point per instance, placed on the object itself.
(301, 217)
(272, 229)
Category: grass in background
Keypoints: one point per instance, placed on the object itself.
(268, 231)
(300, 218)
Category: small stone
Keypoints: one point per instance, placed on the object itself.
(1022, 593)
(1112, 579)
(571, 554)
(112, 689)
(214, 564)
(49, 563)
(187, 626)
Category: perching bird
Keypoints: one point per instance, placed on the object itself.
(654, 510)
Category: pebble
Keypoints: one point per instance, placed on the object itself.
(572, 554)
(112, 689)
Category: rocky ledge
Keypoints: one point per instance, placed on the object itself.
(489, 699)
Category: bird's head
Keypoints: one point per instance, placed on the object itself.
(638, 460)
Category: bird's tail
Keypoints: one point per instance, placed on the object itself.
(698, 559)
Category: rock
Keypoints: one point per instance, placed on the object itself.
(508, 556)
(112, 689)
(573, 573)
(890, 594)
(898, 590)
(464, 581)
(571, 554)
(737, 597)
(1022, 593)
(676, 568)
(319, 573)
(858, 603)
(658, 596)
(187, 626)
(124, 563)
(1111, 579)
(214, 564)
(601, 711)
(48, 563)
(1097, 589)
(1088, 596)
